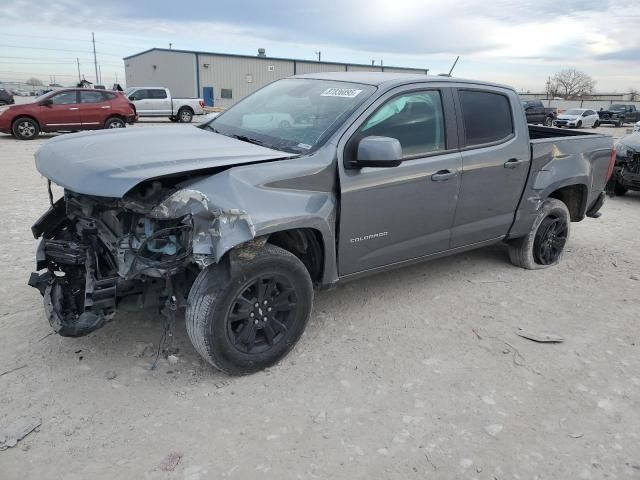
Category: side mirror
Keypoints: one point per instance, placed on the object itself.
(379, 152)
(46, 102)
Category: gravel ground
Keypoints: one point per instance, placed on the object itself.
(412, 374)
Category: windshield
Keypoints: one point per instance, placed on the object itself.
(295, 115)
(615, 108)
(574, 111)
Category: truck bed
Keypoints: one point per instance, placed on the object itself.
(563, 158)
(538, 133)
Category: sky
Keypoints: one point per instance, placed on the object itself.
(516, 42)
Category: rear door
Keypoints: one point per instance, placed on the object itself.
(94, 108)
(63, 113)
(495, 163)
(159, 102)
(389, 215)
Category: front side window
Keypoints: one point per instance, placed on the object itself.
(65, 98)
(294, 115)
(415, 119)
(139, 95)
(486, 116)
(91, 97)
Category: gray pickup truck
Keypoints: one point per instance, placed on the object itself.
(239, 218)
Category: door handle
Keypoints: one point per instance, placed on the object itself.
(74, 108)
(106, 106)
(443, 175)
(513, 163)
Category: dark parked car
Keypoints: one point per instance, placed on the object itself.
(618, 114)
(67, 110)
(238, 219)
(6, 97)
(537, 113)
(626, 174)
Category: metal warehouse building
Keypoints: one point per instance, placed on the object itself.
(221, 78)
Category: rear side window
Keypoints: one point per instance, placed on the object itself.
(486, 117)
(91, 97)
(157, 94)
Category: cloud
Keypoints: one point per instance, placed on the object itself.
(628, 54)
(491, 36)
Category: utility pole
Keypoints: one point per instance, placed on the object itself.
(170, 44)
(78, 61)
(100, 74)
(95, 59)
(319, 54)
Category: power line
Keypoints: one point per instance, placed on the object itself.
(68, 39)
(58, 50)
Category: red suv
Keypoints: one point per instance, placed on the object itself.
(65, 110)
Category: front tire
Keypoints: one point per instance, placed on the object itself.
(596, 124)
(544, 245)
(185, 115)
(247, 318)
(25, 128)
(548, 122)
(115, 122)
(579, 124)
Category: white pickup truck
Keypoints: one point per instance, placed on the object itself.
(158, 102)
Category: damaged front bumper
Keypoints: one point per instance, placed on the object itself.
(92, 257)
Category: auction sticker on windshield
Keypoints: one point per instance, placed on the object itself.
(341, 92)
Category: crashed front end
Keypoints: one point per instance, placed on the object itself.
(97, 254)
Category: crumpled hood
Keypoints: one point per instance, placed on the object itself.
(109, 163)
(568, 117)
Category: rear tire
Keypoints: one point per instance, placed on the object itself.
(579, 124)
(247, 319)
(544, 245)
(185, 115)
(548, 122)
(115, 122)
(25, 128)
(619, 189)
(596, 124)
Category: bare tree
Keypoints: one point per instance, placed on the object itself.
(633, 94)
(34, 82)
(571, 83)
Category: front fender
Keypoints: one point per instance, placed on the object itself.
(242, 203)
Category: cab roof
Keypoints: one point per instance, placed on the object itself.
(391, 79)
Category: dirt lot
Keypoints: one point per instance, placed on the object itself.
(412, 374)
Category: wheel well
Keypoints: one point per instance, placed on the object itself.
(306, 244)
(25, 116)
(575, 198)
(185, 107)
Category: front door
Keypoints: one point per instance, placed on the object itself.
(389, 215)
(495, 165)
(63, 113)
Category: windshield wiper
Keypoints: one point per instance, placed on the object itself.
(244, 138)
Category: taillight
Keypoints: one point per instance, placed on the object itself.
(201, 102)
(612, 163)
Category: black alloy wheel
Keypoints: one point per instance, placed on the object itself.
(263, 311)
(550, 240)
